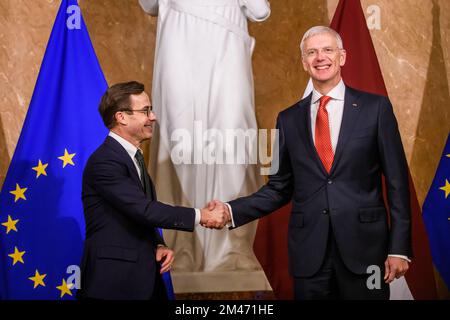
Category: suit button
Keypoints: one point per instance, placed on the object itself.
(325, 211)
(330, 181)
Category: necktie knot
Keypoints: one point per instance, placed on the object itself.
(324, 101)
(139, 157)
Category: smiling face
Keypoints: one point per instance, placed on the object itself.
(140, 125)
(136, 126)
(323, 60)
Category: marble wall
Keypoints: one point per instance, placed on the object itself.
(412, 44)
(122, 35)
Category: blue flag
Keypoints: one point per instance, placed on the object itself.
(41, 214)
(436, 214)
(167, 279)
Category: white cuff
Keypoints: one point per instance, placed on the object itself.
(198, 216)
(231, 223)
(400, 256)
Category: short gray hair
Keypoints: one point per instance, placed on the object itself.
(320, 30)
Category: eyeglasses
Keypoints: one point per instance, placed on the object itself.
(145, 110)
(328, 51)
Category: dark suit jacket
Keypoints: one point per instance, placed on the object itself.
(349, 198)
(121, 227)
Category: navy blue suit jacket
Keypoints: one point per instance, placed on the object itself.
(350, 198)
(121, 227)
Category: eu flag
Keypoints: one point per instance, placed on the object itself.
(41, 214)
(436, 214)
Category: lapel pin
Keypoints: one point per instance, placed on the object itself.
(355, 105)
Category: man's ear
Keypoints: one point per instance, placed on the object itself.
(305, 66)
(343, 58)
(120, 118)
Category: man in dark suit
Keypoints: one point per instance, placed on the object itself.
(123, 247)
(334, 147)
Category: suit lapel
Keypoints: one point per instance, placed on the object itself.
(349, 119)
(125, 157)
(304, 109)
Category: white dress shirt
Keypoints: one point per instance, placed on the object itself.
(335, 109)
(131, 150)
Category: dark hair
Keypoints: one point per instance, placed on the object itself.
(117, 98)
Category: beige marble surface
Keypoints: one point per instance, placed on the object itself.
(278, 75)
(123, 38)
(413, 48)
(24, 30)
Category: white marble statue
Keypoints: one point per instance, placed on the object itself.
(203, 80)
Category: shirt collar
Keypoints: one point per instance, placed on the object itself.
(337, 93)
(128, 146)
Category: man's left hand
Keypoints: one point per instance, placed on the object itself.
(165, 256)
(395, 268)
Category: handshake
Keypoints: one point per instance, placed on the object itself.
(215, 215)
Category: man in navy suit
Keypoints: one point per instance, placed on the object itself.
(124, 254)
(334, 147)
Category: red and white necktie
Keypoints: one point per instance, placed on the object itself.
(323, 136)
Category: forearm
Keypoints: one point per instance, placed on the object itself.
(276, 193)
(109, 181)
(265, 201)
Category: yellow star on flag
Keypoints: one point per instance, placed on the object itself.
(19, 193)
(446, 188)
(65, 288)
(38, 279)
(10, 224)
(40, 169)
(67, 158)
(17, 256)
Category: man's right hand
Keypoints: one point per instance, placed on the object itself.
(214, 215)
